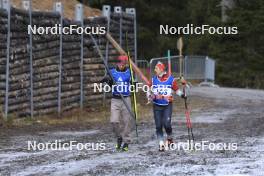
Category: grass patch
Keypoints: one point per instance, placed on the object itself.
(76, 116)
(101, 114)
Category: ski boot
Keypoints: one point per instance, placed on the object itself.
(168, 143)
(125, 147)
(161, 146)
(119, 143)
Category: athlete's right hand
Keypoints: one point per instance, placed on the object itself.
(150, 97)
(184, 96)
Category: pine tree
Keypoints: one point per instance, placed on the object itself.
(240, 58)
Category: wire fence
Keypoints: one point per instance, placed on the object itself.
(194, 67)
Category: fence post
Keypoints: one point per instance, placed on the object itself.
(206, 69)
(7, 7)
(150, 64)
(106, 13)
(118, 9)
(58, 7)
(27, 5)
(213, 70)
(79, 17)
(132, 11)
(185, 67)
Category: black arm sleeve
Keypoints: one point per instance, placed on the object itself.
(107, 80)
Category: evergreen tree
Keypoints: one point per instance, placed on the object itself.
(240, 58)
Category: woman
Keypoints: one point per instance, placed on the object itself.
(163, 86)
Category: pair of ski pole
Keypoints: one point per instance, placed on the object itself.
(188, 119)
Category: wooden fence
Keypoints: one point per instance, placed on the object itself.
(47, 73)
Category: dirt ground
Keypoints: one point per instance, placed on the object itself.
(219, 115)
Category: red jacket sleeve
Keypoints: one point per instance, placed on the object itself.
(175, 85)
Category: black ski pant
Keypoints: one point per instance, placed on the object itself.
(162, 117)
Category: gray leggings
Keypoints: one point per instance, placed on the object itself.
(162, 116)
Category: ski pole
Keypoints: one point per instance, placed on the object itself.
(188, 119)
(133, 81)
(110, 74)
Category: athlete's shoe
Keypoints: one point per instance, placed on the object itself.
(125, 147)
(119, 143)
(161, 146)
(169, 141)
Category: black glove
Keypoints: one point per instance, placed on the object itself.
(107, 80)
(184, 96)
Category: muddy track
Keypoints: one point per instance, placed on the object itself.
(233, 116)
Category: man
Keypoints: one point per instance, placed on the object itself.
(121, 119)
(162, 87)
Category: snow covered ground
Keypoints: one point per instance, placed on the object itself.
(224, 115)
